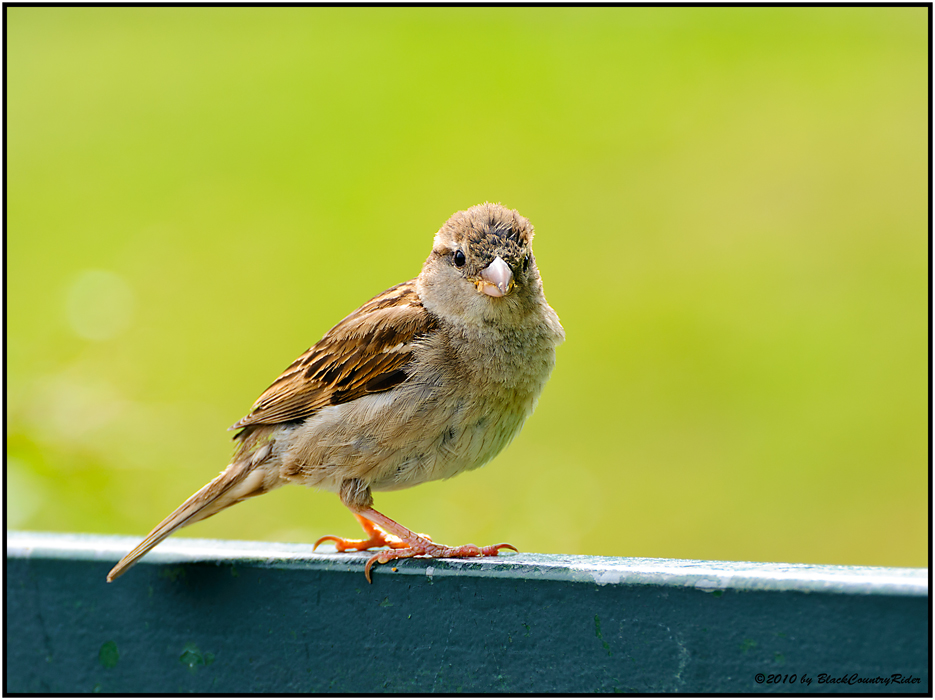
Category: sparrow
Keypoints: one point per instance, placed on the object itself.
(431, 378)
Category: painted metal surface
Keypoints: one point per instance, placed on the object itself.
(237, 617)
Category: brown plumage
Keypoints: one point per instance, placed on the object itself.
(430, 378)
(365, 353)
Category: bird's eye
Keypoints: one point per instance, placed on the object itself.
(459, 258)
(526, 263)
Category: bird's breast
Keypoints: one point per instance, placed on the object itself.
(465, 398)
(474, 396)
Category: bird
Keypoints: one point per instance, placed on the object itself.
(429, 379)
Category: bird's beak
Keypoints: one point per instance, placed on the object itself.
(496, 279)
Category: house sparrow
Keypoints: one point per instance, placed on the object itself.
(431, 378)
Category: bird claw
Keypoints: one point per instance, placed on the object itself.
(376, 537)
(403, 543)
(375, 540)
(436, 551)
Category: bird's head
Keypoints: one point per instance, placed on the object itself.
(482, 268)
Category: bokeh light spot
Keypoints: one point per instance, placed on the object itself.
(99, 305)
(25, 493)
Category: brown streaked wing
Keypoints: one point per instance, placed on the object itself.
(365, 353)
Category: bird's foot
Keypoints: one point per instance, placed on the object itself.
(426, 548)
(403, 542)
(376, 537)
(345, 545)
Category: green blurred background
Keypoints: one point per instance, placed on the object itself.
(731, 209)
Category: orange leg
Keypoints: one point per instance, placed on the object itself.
(376, 537)
(403, 542)
(415, 545)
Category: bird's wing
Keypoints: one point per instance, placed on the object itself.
(365, 353)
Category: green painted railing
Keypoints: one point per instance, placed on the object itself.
(247, 617)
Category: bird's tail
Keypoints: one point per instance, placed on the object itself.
(241, 480)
